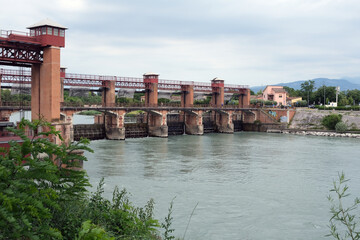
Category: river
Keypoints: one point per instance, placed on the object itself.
(247, 185)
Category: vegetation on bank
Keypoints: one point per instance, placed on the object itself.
(90, 99)
(134, 113)
(43, 195)
(331, 120)
(263, 102)
(6, 96)
(89, 112)
(334, 122)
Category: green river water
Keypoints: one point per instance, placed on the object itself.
(247, 185)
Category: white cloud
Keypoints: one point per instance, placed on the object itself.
(245, 42)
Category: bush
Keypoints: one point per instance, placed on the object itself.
(203, 101)
(341, 127)
(123, 100)
(270, 103)
(163, 100)
(344, 224)
(256, 101)
(34, 184)
(43, 196)
(302, 103)
(331, 120)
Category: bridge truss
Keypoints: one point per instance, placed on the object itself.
(97, 81)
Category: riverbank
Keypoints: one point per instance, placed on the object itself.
(322, 133)
(310, 119)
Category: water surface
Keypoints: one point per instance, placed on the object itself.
(247, 185)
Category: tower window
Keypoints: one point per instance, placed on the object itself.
(62, 33)
(56, 32)
(49, 31)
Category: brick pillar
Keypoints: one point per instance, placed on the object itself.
(217, 99)
(35, 91)
(246, 99)
(108, 94)
(45, 86)
(115, 125)
(157, 124)
(151, 81)
(224, 123)
(0, 85)
(187, 95)
(193, 123)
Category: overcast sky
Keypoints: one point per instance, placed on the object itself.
(252, 42)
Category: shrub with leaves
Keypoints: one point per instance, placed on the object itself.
(43, 194)
(341, 127)
(32, 187)
(120, 218)
(331, 120)
(90, 231)
(343, 223)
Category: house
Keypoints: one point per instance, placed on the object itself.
(291, 101)
(275, 93)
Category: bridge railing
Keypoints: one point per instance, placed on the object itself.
(142, 105)
(6, 33)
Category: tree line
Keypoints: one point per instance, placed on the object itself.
(324, 94)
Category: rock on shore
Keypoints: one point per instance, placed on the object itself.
(320, 133)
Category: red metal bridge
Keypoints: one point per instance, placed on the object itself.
(11, 76)
(40, 50)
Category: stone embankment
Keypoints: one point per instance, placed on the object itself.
(320, 133)
(308, 122)
(310, 119)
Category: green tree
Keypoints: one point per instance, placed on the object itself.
(343, 101)
(163, 100)
(137, 96)
(355, 94)
(330, 94)
(123, 100)
(32, 187)
(351, 100)
(307, 89)
(292, 92)
(331, 120)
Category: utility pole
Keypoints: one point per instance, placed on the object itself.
(308, 97)
(324, 95)
(337, 94)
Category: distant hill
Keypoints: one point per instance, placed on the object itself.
(343, 83)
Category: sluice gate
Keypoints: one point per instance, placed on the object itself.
(89, 131)
(136, 130)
